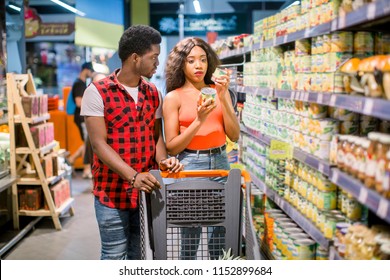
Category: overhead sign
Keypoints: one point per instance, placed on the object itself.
(199, 25)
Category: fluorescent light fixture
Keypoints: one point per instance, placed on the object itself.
(197, 8)
(69, 8)
(16, 8)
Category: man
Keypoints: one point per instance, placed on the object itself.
(78, 89)
(123, 117)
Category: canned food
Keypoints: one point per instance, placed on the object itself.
(304, 249)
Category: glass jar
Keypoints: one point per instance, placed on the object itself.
(340, 152)
(381, 151)
(362, 161)
(369, 180)
(384, 252)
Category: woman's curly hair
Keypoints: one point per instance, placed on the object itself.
(174, 70)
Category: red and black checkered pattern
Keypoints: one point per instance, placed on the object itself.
(130, 132)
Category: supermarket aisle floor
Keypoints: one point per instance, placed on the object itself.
(78, 239)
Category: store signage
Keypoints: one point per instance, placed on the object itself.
(280, 150)
(199, 25)
(35, 27)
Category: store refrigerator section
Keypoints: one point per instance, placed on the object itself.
(316, 130)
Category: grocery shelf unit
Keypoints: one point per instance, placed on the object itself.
(19, 85)
(364, 17)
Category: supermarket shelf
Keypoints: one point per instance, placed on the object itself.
(375, 107)
(36, 181)
(33, 120)
(365, 14)
(42, 212)
(236, 52)
(373, 200)
(322, 166)
(6, 182)
(293, 213)
(43, 150)
(257, 134)
(268, 92)
(334, 255)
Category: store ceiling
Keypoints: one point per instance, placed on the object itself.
(172, 6)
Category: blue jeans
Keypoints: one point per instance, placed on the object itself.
(119, 232)
(190, 237)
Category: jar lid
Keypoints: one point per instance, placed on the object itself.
(305, 242)
(385, 139)
(374, 136)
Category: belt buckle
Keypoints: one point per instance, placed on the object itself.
(215, 150)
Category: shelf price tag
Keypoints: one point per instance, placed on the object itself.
(284, 39)
(368, 106)
(333, 25)
(382, 208)
(321, 167)
(274, 42)
(292, 96)
(280, 150)
(342, 21)
(320, 98)
(371, 9)
(305, 96)
(307, 33)
(261, 43)
(332, 101)
(363, 195)
(335, 177)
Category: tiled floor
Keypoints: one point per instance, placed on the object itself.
(78, 239)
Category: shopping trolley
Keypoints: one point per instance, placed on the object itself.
(183, 218)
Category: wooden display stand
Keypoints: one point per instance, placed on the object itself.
(27, 163)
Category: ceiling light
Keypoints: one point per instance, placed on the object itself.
(197, 8)
(69, 8)
(16, 8)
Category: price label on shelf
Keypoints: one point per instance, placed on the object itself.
(368, 106)
(321, 167)
(320, 98)
(342, 21)
(307, 33)
(333, 26)
(335, 177)
(332, 101)
(371, 10)
(284, 39)
(274, 42)
(292, 95)
(270, 92)
(383, 208)
(363, 195)
(261, 43)
(305, 96)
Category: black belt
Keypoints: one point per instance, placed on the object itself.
(218, 150)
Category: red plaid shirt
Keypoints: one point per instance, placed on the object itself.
(130, 132)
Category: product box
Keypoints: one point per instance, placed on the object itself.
(60, 192)
(43, 104)
(49, 133)
(30, 106)
(47, 164)
(30, 198)
(38, 135)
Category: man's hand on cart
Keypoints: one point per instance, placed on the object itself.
(171, 164)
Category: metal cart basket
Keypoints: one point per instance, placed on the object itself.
(194, 218)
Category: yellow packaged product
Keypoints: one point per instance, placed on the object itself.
(363, 44)
(304, 249)
(341, 41)
(326, 200)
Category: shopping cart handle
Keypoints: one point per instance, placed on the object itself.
(203, 173)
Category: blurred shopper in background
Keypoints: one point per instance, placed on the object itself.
(78, 88)
(123, 117)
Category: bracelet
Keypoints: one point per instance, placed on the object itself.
(132, 181)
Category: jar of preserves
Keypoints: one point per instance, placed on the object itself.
(347, 153)
(362, 160)
(381, 151)
(350, 155)
(369, 180)
(358, 154)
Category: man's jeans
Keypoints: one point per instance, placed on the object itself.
(119, 232)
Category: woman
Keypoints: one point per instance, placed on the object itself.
(196, 128)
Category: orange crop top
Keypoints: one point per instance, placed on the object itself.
(211, 134)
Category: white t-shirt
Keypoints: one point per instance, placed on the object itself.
(92, 102)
